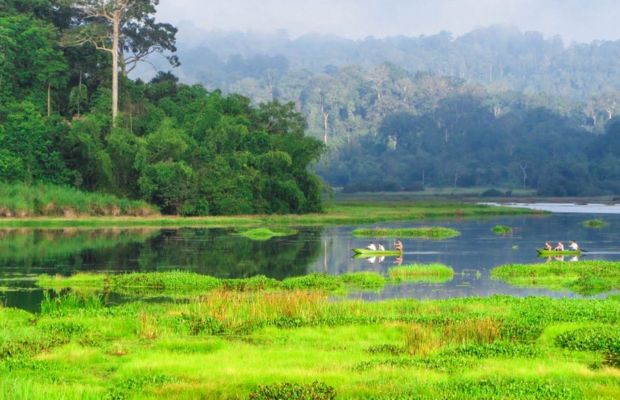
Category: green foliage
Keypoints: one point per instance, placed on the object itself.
(189, 151)
(293, 391)
(435, 233)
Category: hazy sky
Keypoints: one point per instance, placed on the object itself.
(575, 20)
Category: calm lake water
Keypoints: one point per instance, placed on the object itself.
(25, 253)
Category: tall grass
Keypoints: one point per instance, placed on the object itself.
(18, 200)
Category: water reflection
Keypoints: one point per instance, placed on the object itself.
(24, 254)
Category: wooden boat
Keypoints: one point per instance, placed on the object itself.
(377, 253)
(553, 253)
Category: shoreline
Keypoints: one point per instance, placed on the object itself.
(340, 213)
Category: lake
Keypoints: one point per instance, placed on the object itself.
(26, 253)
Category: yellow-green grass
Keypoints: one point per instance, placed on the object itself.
(583, 277)
(264, 234)
(225, 344)
(432, 232)
(432, 273)
(335, 213)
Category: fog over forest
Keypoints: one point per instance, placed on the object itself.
(398, 90)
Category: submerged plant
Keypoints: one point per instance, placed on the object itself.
(595, 223)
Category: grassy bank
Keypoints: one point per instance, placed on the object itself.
(335, 213)
(584, 277)
(44, 200)
(268, 344)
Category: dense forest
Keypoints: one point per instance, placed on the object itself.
(495, 107)
(69, 115)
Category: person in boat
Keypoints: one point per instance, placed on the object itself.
(548, 246)
(372, 247)
(380, 247)
(398, 245)
(573, 246)
(559, 247)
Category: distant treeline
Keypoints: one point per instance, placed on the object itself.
(182, 148)
(495, 107)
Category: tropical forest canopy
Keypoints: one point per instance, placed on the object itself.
(69, 115)
(494, 107)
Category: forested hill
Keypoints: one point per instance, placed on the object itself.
(185, 149)
(495, 107)
(502, 57)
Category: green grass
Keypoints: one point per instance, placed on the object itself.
(264, 234)
(233, 345)
(336, 213)
(502, 230)
(182, 282)
(436, 233)
(583, 277)
(21, 201)
(432, 273)
(595, 224)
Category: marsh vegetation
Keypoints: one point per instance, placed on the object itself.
(233, 342)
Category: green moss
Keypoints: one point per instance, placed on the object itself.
(502, 230)
(584, 277)
(437, 233)
(431, 273)
(264, 234)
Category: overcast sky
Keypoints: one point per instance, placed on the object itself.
(574, 20)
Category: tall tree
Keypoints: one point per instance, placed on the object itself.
(126, 30)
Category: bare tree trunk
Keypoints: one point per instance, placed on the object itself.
(79, 95)
(116, 21)
(325, 126)
(523, 167)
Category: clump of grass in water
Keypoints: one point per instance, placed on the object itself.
(595, 223)
(264, 234)
(437, 233)
(502, 230)
(583, 277)
(432, 273)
